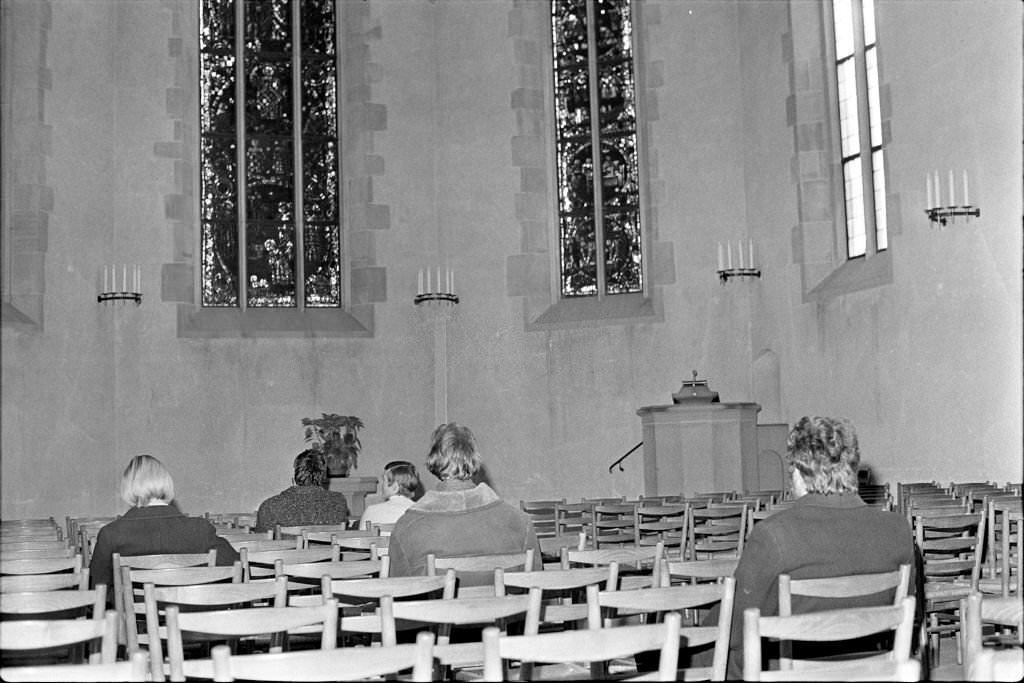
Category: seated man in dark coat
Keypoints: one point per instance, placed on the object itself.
(307, 501)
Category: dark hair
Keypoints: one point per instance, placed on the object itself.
(310, 469)
(403, 474)
(453, 453)
(825, 452)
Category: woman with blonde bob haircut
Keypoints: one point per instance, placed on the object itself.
(153, 525)
(144, 480)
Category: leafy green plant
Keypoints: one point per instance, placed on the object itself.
(337, 436)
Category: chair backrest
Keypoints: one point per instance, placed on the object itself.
(133, 583)
(700, 571)
(978, 609)
(613, 524)
(997, 665)
(667, 523)
(89, 602)
(475, 573)
(827, 626)
(257, 544)
(207, 596)
(310, 573)
(719, 529)
(30, 583)
(849, 586)
(247, 622)
(542, 514)
(563, 590)
(587, 645)
(951, 545)
(295, 530)
(606, 606)
(347, 664)
(23, 566)
(838, 587)
(637, 561)
(261, 564)
(460, 612)
(135, 669)
(874, 670)
(35, 634)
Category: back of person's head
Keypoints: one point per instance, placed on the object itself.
(310, 469)
(403, 475)
(453, 453)
(824, 451)
(146, 480)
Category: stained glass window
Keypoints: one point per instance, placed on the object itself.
(269, 154)
(595, 127)
(860, 124)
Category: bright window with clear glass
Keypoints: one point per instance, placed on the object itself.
(269, 157)
(860, 125)
(595, 128)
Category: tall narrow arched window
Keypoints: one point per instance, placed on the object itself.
(600, 245)
(860, 126)
(269, 157)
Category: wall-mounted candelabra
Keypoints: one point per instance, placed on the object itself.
(435, 286)
(744, 266)
(127, 287)
(948, 213)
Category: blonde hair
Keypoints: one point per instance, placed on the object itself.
(453, 453)
(145, 480)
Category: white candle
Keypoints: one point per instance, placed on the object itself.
(721, 257)
(966, 200)
(428, 280)
(739, 247)
(451, 282)
(928, 183)
(439, 285)
(728, 247)
(449, 278)
(106, 280)
(952, 189)
(124, 277)
(138, 278)
(750, 252)
(938, 190)
(419, 282)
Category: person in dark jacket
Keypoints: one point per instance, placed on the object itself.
(829, 531)
(460, 517)
(153, 525)
(307, 500)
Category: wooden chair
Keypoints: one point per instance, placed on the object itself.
(551, 546)
(977, 611)
(202, 596)
(475, 573)
(613, 524)
(254, 543)
(355, 547)
(585, 645)
(346, 664)
(133, 582)
(876, 670)
(563, 591)
(951, 550)
(150, 561)
(247, 622)
(444, 615)
(825, 626)
(638, 567)
(36, 634)
(997, 665)
(31, 549)
(295, 531)
(655, 604)
(360, 599)
(572, 518)
(260, 564)
(135, 669)
(43, 574)
(717, 530)
(666, 523)
(837, 588)
(699, 571)
(542, 514)
(91, 603)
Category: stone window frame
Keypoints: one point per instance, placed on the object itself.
(361, 221)
(533, 273)
(28, 197)
(819, 238)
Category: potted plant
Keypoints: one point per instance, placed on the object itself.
(337, 437)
